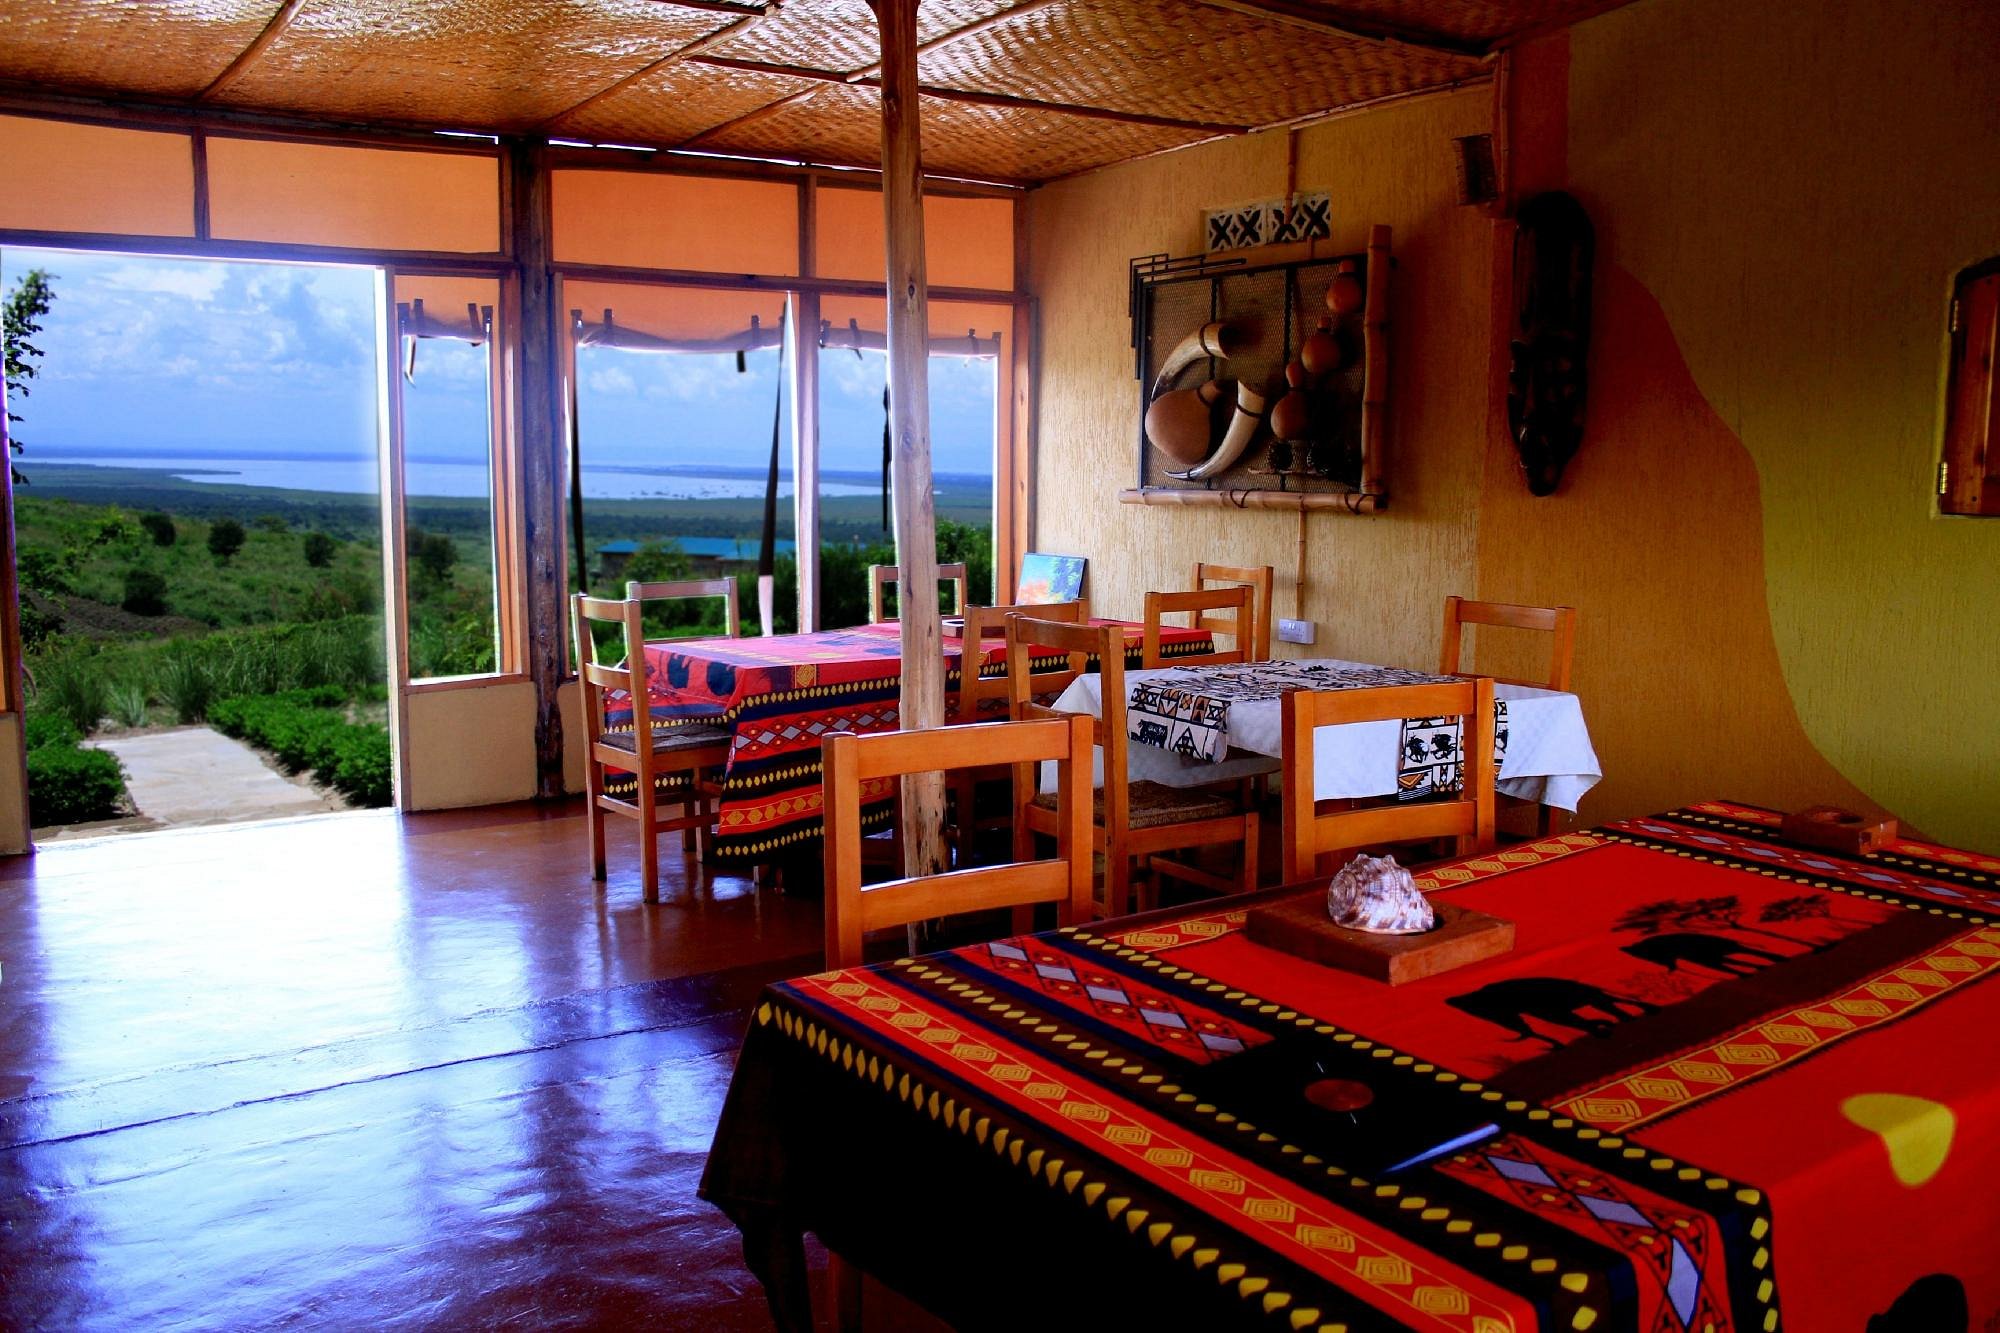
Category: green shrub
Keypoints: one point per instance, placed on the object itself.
(145, 593)
(319, 549)
(308, 730)
(225, 538)
(67, 785)
(43, 728)
(271, 523)
(160, 527)
(74, 686)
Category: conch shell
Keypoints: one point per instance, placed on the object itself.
(1374, 894)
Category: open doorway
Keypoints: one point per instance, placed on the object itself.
(199, 538)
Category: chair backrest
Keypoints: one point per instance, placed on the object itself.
(850, 760)
(1083, 643)
(596, 677)
(882, 577)
(690, 590)
(1258, 578)
(1197, 605)
(990, 622)
(1557, 621)
(1469, 818)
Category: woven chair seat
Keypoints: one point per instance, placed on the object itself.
(666, 739)
(1152, 804)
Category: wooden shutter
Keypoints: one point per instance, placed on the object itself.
(1969, 473)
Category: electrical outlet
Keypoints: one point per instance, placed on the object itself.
(1295, 631)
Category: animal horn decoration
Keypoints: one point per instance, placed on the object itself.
(1217, 339)
(1242, 429)
(1553, 248)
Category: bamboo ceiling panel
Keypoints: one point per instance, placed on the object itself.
(840, 34)
(842, 124)
(170, 48)
(1473, 21)
(1184, 61)
(677, 102)
(466, 64)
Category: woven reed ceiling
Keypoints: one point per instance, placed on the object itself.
(1022, 90)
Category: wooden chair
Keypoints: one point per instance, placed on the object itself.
(1196, 606)
(692, 590)
(984, 699)
(881, 577)
(651, 750)
(1310, 832)
(1140, 819)
(850, 760)
(1559, 622)
(1258, 578)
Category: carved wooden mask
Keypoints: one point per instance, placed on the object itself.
(1553, 249)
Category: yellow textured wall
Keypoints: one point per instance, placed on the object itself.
(1797, 190)
(13, 791)
(1771, 608)
(473, 746)
(1375, 585)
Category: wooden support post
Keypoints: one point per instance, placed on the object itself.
(922, 700)
(542, 441)
(805, 452)
(805, 412)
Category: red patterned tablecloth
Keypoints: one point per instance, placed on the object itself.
(1721, 1082)
(780, 695)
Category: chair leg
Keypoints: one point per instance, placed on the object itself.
(649, 839)
(1251, 821)
(1117, 881)
(593, 814)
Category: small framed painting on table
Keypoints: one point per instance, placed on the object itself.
(1049, 579)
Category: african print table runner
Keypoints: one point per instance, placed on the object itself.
(779, 696)
(1715, 1066)
(1186, 711)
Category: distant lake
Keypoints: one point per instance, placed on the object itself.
(437, 477)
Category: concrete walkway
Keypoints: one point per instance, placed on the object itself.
(192, 775)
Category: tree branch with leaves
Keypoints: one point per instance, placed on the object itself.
(20, 320)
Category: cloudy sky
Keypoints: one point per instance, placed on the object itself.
(188, 358)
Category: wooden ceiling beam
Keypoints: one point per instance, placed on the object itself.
(1321, 19)
(735, 28)
(750, 117)
(250, 54)
(970, 96)
(721, 6)
(958, 34)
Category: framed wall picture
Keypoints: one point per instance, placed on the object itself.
(1048, 579)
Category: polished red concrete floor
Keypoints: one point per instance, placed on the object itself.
(364, 1071)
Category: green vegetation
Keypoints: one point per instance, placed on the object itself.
(149, 599)
(20, 320)
(68, 784)
(312, 730)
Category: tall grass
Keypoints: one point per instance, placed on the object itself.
(74, 688)
(187, 675)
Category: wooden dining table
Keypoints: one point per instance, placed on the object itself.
(780, 695)
(1721, 1081)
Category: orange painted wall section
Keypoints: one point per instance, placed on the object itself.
(367, 198)
(967, 242)
(94, 178)
(710, 224)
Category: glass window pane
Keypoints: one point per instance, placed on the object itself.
(675, 450)
(448, 527)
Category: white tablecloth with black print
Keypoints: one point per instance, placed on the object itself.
(1542, 743)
